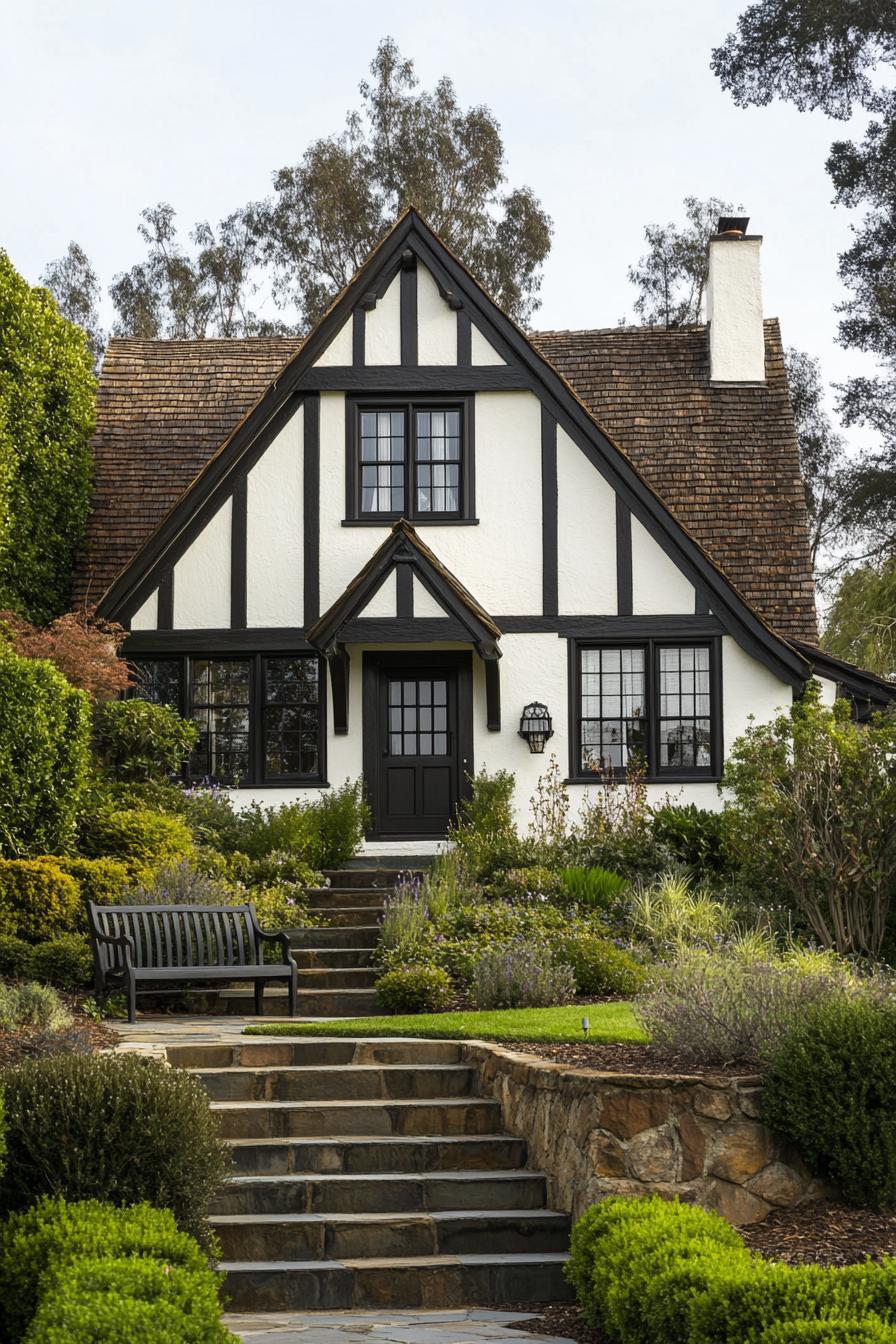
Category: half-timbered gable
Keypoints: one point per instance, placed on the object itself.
(369, 551)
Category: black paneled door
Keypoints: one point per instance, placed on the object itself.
(418, 711)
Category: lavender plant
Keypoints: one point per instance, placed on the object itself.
(521, 974)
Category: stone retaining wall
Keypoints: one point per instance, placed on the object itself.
(596, 1134)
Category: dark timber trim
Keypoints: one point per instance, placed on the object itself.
(493, 695)
(623, 559)
(359, 337)
(464, 340)
(549, 576)
(311, 496)
(340, 681)
(165, 614)
(278, 639)
(411, 234)
(858, 684)
(701, 602)
(612, 627)
(400, 379)
(408, 309)
(404, 592)
(239, 511)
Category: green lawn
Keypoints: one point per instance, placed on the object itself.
(610, 1022)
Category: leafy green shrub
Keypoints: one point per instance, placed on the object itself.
(485, 834)
(524, 883)
(597, 888)
(134, 1130)
(414, 989)
(2, 1135)
(281, 907)
(137, 740)
(324, 833)
(105, 1300)
(521, 974)
(812, 821)
(867, 1330)
(831, 1089)
(600, 967)
(615, 831)
(37, 1007)
(105, 881)
(15, 957)
(209, 813)
(279, 868)
(142, 839)
(694, 836)
(43, 1242)
(37, 899)
(672, 913)
(723, 1008)
(44, 755)
(65, 962)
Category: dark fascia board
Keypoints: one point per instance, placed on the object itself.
(398, 548)
(865, 685)
(738, 617)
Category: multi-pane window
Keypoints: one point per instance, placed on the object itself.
(260, 718)
(614, 708)
(418, 716)
(291, 717)
(382, 461)
(652, 702)
(159, 680)
(437, 461)
(220, 691)
(685, 736)
(410, 462)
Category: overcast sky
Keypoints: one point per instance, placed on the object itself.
(609, 112)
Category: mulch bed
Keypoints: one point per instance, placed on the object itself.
(823, 1232)
(83, 1037)
(623, 1058)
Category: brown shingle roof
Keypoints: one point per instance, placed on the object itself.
(724, 458)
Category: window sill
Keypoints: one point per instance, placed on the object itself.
(390, 520)
(670, 778)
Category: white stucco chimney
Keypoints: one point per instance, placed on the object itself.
(733, 305)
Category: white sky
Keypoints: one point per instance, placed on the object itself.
(609, 112)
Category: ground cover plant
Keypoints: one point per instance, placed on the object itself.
(651, 1270)
(608, 1022)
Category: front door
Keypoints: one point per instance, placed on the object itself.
(418, 740)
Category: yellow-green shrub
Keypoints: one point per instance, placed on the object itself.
(142, 840)
(105, 881)
(38, 899)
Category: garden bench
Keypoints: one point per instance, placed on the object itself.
(134, 944)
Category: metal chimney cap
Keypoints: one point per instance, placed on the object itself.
(733, 224)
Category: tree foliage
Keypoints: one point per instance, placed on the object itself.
(671, 275)
(838, 57)
(46, 421)
(74, 285)
(861, 623)
(81, 645)
(402, 146)
(823, 461)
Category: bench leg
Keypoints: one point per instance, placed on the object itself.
(259, 998)
(132, 1001)
(292, 994)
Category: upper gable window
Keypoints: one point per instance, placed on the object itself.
(410, 460)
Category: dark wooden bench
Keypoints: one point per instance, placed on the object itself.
(134, 944)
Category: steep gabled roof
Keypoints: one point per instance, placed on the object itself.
(556, 394)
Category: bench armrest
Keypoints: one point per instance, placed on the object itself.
(123, 941)
(282, 939)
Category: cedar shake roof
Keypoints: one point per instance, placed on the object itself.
(723, 458)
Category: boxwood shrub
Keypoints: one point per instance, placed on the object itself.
(117, 1128)
(142, 839)
(600, 967)
(414, 989)
(37, 899)
(65, 962)
(649, 1271)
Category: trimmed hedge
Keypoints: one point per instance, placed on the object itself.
(118, 1128)
(65, 962)
(38, 900)
(105, 881)
(600, 967)
(649, 1271)
(88, 1258)
(44, 755)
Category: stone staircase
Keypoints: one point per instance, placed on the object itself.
(336, 974)
(369, 1173)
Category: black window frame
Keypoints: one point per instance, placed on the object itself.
(655, 774)
(355, 405)
(258, 776)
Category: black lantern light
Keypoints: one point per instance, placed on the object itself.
(535, 727)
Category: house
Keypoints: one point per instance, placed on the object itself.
(421, 542)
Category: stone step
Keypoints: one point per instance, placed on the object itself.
(364, 1082)
(426, 1282)
(357, 936)
(341, 1236)
(262, 1052)
(325, 958)
(352, 916)
(385, 1192)
(301, 1119)
(309, 1002)
(337, 977)
(382, 877)
(329, 898)
(380, 1155)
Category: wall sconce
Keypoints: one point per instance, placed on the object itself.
(535, 727)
